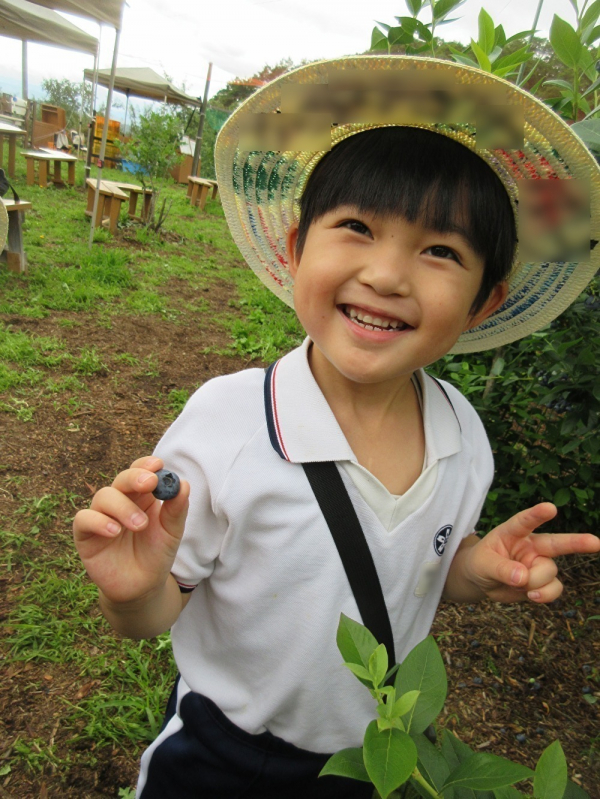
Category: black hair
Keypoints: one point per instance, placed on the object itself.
(418, 175)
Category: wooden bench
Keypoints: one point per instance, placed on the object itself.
(13, 255)
(109, 203)
(215, 190)
(12, 133)
(198, 189)
(131, 189)
(44, 157)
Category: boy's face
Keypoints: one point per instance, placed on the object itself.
(412, 287)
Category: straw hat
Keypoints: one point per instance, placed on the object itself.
(269, 146)
(3, 225)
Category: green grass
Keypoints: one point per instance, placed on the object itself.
(54, 620)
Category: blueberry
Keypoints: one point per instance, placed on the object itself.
(597, 600)
(521, 738)
(521, 659)
(503, 730)
(587, 689)
(470, 608)
(462, 684)
(586, 669)
(570, 613)
(496, 686)
(478, 680)
(474, 643)
(168, 484)
(540, 731)
(535, 686)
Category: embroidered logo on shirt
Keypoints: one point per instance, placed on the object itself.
(440, 539)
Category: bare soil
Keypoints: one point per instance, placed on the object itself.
(512, 670)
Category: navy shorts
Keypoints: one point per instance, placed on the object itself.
(212, 758)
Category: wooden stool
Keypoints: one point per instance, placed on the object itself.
(215, 190)
(134, 192)
(44, 157)
(14, 255)
(109, 203)
(198, 191)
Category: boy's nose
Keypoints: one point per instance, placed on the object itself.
(388, 272)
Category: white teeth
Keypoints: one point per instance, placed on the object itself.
(370, 322)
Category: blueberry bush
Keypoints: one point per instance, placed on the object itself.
(539, 399)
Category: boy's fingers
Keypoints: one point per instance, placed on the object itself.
(90, 522)
(542, 573)
(546, 593)
(113, 503)
(550, 545)
(135, 480)
(150, 462)
(526, 521)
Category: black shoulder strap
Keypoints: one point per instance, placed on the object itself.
(349, 538)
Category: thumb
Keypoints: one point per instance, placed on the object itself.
(495, 568)
(173, 512)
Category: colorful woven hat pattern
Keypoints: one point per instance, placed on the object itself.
(261, 189)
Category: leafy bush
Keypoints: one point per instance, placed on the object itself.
(397, 752)
(539, 399)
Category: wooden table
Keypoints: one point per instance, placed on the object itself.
(198, 189)
(13, 254)
(134, 191)
(109, 203)
(11, 132)
(44, 157)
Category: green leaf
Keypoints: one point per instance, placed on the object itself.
(405, 703)
(463, 59)
(390, 758)
(359, 671)
(347, 763)
(563, 84)
(487, 32)
(401, 35)
(482, 59)
(565, 42)
(509, 62)
(574, 791)
(589, 132)
(500, 36)
(414, 6)
(355, 642)
(454, 750)
(378, 40)
(443, 7)
(483, 771)
(378, 663)
(507, 793)
(550, 778)
(423, 670)
(431, 762)
(562, 496)
(591, 15)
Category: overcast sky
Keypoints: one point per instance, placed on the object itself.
(180, 37)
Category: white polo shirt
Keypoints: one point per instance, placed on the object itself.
(258, 635)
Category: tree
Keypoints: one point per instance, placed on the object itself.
(154, 147)
(67, 94)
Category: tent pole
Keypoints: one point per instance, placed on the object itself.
(88, 159)
(111, 87)
(24, 71)
(196, 161)
(126, 108)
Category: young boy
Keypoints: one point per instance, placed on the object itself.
(402, 250)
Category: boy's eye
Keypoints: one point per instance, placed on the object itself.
(440, 251)
(356, 226)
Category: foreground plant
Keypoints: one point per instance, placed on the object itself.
(396, 752)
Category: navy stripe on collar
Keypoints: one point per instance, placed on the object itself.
(271, 412)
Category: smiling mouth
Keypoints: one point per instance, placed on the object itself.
(371, 322)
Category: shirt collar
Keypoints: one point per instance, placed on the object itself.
(303, 428)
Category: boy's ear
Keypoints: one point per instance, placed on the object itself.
(493, 302)
(290, 246)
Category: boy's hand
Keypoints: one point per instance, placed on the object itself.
(512, 563)
(127, 540)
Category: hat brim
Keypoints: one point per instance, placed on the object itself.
(260, 190)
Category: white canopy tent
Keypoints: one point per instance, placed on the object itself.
(111, 12)
(20, 19)
(143, 82)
